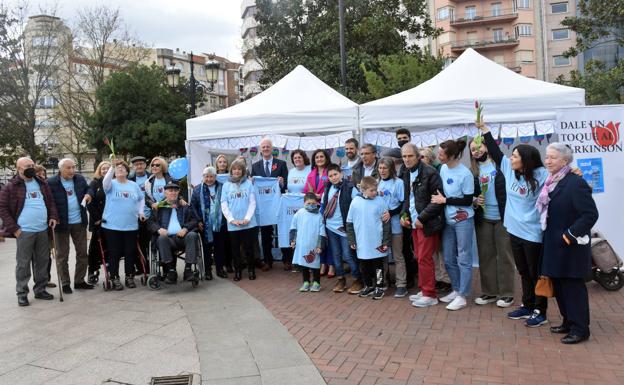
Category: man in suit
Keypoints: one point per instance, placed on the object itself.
(269, 166)
(368, 164)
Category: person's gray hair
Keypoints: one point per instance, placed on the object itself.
(62, 162)
(564, 150)
(210, 170)
(428, 153)
(266, 140)
(370, 147)
(412, 146)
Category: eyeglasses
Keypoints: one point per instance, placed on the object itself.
(155, 165)
(365, 153)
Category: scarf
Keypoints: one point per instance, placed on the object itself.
(549, 186)
(236, 180)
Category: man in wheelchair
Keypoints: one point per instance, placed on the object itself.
(174, 225)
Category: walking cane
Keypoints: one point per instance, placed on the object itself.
(58, 274)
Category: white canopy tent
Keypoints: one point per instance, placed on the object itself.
(298, 104)
(448, 98)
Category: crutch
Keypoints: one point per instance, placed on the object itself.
(106, 284)
(58, 273)
(143, 266)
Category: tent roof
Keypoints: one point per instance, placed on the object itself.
(298, 103)
(448, 98)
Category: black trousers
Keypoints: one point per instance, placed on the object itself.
(266, 232)
(411, 267)
(243, 239)
(314, 274)
(95, 252)
(215, 250)
(573, 301)
(287, 255)
(528, 256)
(121, 244)
(370, 269)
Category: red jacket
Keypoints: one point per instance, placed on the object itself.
(12, 197)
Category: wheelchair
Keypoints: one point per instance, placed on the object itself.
(157, 275)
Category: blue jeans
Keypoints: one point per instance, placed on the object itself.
(342, 252)
(457, 247)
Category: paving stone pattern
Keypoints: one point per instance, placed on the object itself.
(354, 340)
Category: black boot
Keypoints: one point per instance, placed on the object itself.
(172, 277)
(252, 274)
(188, 274)
(237, 275)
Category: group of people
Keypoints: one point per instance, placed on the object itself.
(427, 213)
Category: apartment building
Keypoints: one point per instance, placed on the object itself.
(228, 88)
(558, 38)
(251, 69)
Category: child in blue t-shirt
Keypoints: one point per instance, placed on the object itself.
(370, 236)
(307, 237)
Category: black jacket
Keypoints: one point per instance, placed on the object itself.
(358, 172)
(426, 184)
(186, 217)
(278, 169)
(60, 199)
(344, 200)
(132, 177)
(571, 211)
(96, 206)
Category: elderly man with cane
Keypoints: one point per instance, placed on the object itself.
(27, 209)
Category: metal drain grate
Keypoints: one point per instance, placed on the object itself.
(173, 380)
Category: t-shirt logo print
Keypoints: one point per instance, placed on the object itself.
(449, 181)
(310, 257)
(460, 215)
(161, 190)
(125, 194)
(34, 195)
(70, 192)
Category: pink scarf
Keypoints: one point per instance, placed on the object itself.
(549, 186)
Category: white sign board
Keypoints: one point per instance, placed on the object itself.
(593, 133)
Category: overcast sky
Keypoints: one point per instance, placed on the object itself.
(197, 25)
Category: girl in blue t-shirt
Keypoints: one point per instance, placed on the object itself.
(238, 204)
(524, 178)
(458, 234)
(496, 266)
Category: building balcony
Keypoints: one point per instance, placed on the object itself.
(484, 44)
(246, 4)
(484, 18)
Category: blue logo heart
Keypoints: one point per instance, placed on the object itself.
(449, 181)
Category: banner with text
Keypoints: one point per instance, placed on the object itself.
(593, 134)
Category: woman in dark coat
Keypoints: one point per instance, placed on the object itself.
(96, 209)
(568, 213)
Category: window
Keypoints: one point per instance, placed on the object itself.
(560, 34)
(472, 38)
(524, 56)
(46, 102)
(44, 41)
(497, 9)
(524, 4)
(444, 38)
(471, 13)
(561, 61)
(445, 13)
(524, 30)
(498, 34)
(559, 8)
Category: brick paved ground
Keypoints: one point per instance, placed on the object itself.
(361, 341)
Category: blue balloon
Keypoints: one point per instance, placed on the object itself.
(178, 169)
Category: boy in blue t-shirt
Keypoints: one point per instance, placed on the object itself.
(307, 237)
(370, 236)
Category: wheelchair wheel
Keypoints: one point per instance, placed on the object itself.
(612, 281)
(153, 282)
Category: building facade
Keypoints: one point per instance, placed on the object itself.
(558, 38)
(251, 69)
(228, 88)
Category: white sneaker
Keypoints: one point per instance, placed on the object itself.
(425, 301)
(449, 297)
(505, 302)
(458, 303)
(416, 296)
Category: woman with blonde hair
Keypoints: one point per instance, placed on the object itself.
(155, 184)
(96, 209)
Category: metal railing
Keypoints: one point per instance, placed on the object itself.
(483, 43)
(489, 15)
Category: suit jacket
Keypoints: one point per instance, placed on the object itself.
(358, 172)
(572, 209)
(278, 169)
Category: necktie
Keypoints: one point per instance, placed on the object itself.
(267, 172)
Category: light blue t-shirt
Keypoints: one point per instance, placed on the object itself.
(158, 189)
(34, 215)
(222, 178)
(174, 224)
(365, 214)
(412, 206)
(237, 197)
(73, 207)
(267, 199)
(487, 175)
(309, 227)
(140, 180)
(457, 182)
(121, 208)
(289, 205)
(391, 191)
(297, 179)
(521, 216)
(334, 223)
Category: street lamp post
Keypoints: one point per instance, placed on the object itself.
(192, 86)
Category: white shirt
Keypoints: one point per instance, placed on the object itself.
(368, 171)
(352, 163)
